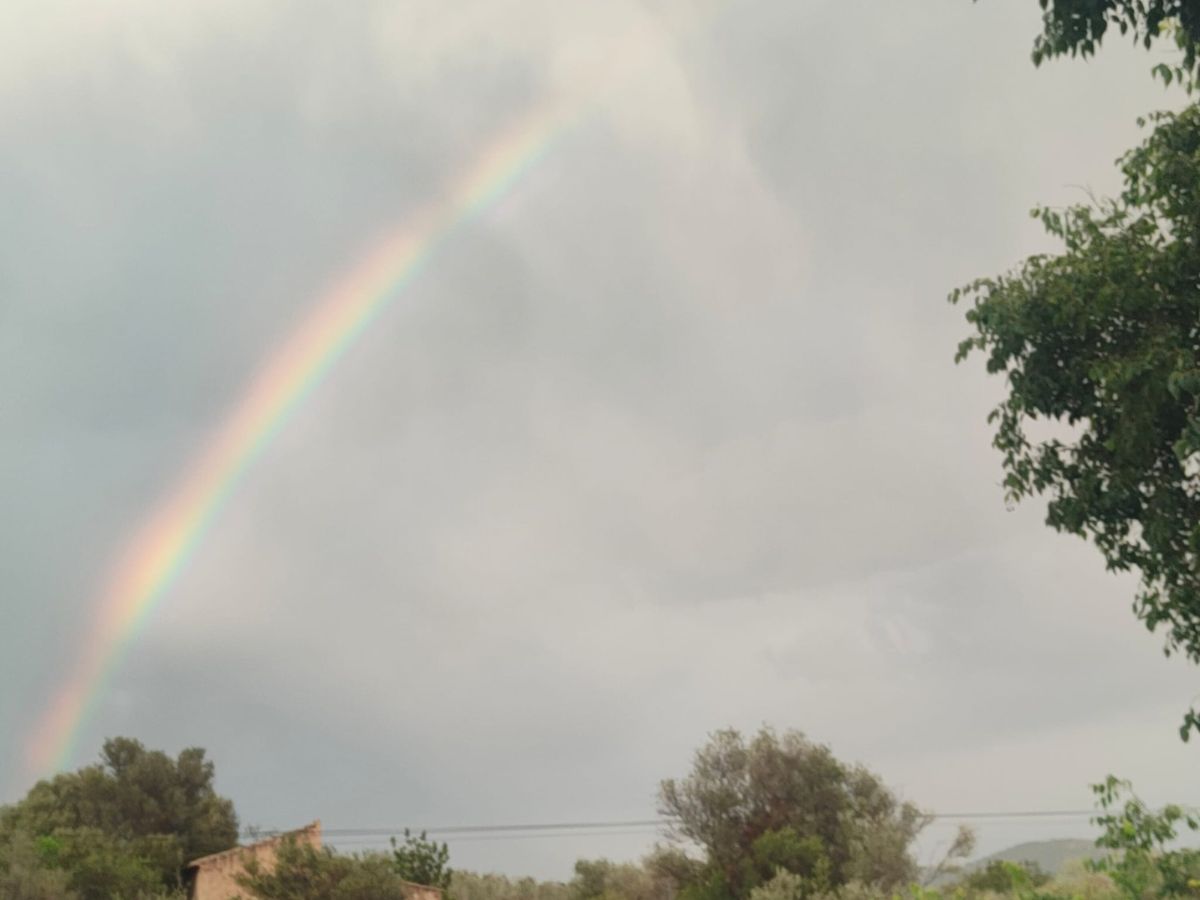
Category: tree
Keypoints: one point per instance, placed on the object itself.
(785, 803)
(1000, 876)
(960, 848)
(472, 886)
(1078, 27)
(783, 885)
(302, 872)
(1103, 341)
(1143, 866)
(602, 879)
(422, 861)
(80, 864)
(130, 822)
(27, 874)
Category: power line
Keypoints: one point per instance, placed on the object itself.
(516, 829)
(367, 841)
(488, 829)
(1027, 814)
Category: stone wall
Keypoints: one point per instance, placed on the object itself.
(215, 877)
(422, 892)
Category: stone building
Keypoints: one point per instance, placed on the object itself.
(422, 892)
(214, 877)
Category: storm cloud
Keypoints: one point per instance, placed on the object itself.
(670, 439)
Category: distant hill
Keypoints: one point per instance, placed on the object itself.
(1051, 856)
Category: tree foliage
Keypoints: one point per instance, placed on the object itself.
(422, 861)
(960, 848)
(784, 803)
(1000, 876)
(1104, 340)
(1143, 863)
(124, 828)
(26, 873)
(84, 864)
(302, 872)
(1078, 27)
(783, 885)
(602, 879)
(474, 886)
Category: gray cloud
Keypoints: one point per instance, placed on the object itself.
(670, 440)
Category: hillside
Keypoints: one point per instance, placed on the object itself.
(1049, 855)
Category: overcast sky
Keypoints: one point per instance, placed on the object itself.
(669, 440)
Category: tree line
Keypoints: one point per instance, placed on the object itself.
(769, 817)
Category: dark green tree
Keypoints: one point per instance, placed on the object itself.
(422, 861)
(595, 879)
(473, 886)
(1000, 876)
(100, 866)
(785, 803)
(1143, 862)
(603, 879)
(138, 811)
(1078, 27)
(302, 872)
(1102, 341)
(28, 872)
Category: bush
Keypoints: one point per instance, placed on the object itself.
(422, 861)
(471, 886)
(1142, 866)
(784, 802)
(1003, 877)
(125, 827)
(302, 872)
(26, 874)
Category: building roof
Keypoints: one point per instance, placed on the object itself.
(213, 858)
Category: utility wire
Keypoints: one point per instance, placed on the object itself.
(1028, 814)
(487, 829)
(366, 841)
(516, 829)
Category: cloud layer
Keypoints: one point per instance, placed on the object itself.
(670, 440)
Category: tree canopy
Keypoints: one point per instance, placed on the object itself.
(302, 872)
(1145, 859)
(1103, 340)
(782, 802)
(1002, 876)
(126, 825)
(422, 861)
(1078, 27)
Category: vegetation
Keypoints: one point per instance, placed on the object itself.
(601, 879)
(302, 872)
(474, 886)
(422, 861)
(122, 828)
(775, 817)
(1101, 344)
(1143, 863)
(1078, 27)
(784, 803)
(25, 874)
(1001, 876)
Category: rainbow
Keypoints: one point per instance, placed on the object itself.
(153, 560)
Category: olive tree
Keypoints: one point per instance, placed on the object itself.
(783, 802)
